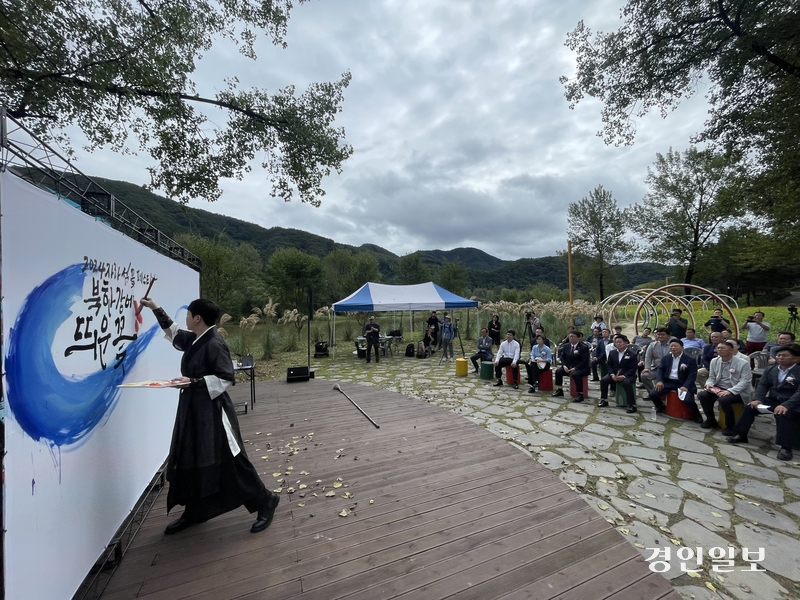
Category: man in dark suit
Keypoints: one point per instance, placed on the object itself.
(676, 373)
(778, 388)
(574, 356)
(622, 370)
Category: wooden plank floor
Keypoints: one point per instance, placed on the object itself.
(457, 513)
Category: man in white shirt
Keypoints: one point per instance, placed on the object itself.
(757, 329)
(508, 354)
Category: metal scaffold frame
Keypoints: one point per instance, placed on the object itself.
(28, 157)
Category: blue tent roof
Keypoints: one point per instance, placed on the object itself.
(379, 297)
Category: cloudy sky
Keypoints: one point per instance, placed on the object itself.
(461, 131)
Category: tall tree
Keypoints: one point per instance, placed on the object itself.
(290, 274)
(231, 274)
(597, 230)
(345, 272)
(692, 195)
(453, 276)
(666, 49)
(410, 270)
(121, 72)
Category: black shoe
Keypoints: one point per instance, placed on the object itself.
(558, 392)
(708, 424)
(516, 387)
(531, 390)
(265, 514)
(178, 525)
(631, 409)
(738, 439)
(603, 403)
(498, 384)
(660, 409)
(595, 379)
(368, 361)
(785, 454)
(476, 371)
(579, 398)
(728, 432)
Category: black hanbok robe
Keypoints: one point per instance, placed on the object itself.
(208, 469)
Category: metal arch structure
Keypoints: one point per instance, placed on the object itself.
(664, 291)
(630, 297)
(658, 295)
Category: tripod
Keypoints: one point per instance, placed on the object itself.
(527, 331)
(792, 323)
(457, 333)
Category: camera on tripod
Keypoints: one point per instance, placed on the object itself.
(528, 316)
(792, 308)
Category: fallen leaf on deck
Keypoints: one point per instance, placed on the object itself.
(344, 513)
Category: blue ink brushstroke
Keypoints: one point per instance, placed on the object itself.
(59, 409)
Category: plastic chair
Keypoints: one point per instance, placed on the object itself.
(759, 361)
(695, 353)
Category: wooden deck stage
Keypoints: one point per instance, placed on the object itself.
(457, 513)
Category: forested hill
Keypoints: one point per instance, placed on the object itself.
(485, 271)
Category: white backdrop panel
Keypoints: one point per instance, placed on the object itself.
(80, 452)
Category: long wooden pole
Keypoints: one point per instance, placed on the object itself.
(569, 276)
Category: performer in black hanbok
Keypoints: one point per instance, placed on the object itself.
(208, 470)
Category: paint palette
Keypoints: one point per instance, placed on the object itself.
(163, 383)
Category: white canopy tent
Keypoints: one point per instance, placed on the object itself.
(379, 297)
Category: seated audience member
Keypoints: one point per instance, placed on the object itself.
(617, 331)
(540, 360)
(508, 354)
(729, 383)
(676, 373)
(692, 341)
(740, 345)
(424, 348)
(574, 357)
(709, 353)
(652, 358)
(566, 337)
(644, 339)
(484, 349)
(622, 363)
(785, 338)
(776, 387)
(717, 322)
(597, 335)
(547, 342)
(599, 353)
(677, 324)
(757, 329)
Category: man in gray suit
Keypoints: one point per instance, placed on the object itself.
(657, 350)
(777, 387)
(729, 383)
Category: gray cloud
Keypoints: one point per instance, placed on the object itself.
(461, 132)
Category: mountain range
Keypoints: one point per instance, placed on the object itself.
(485, 270)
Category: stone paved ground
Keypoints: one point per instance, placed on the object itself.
(662, 484)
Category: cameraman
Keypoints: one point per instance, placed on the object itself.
(757, 329)
(677, 324)
(717, 322)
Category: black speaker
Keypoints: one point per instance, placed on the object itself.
(294, 374)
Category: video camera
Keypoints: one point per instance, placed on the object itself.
(792, 308)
